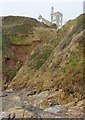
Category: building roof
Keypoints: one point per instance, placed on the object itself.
(55, 13)
(59, 13)
(40, 17)
(45, 21)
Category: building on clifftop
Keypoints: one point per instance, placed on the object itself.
(56, 18)
(41, 19)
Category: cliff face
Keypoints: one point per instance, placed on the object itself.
(56, 65)
(21, 36)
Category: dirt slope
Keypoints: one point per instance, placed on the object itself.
(21, 35)
(56, 65)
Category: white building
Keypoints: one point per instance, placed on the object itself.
(56, 17)
(41, 19)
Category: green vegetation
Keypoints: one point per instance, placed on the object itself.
(55, 60)
(22, 29)
(0, 38)
(74, 61)
(81, 21)
(44, 34)
(18, 41)
(42, 57)
(20, 37)
(0, 44)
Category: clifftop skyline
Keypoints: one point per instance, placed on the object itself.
(33, 9)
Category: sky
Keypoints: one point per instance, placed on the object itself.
(33, 8)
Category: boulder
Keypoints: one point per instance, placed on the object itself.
(56, 109)
(9, 90)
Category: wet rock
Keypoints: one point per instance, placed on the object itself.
(3, 95)
(19, 113)
(36, 100)
(50, 115)
(23, 106)
(9, 90)
(56, 109)
(13, 113)
(42, 94)
(3, 115)
(31, 93)
(81, 103)
(75, 111)
(32, 115)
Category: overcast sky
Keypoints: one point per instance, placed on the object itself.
(32, 8)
